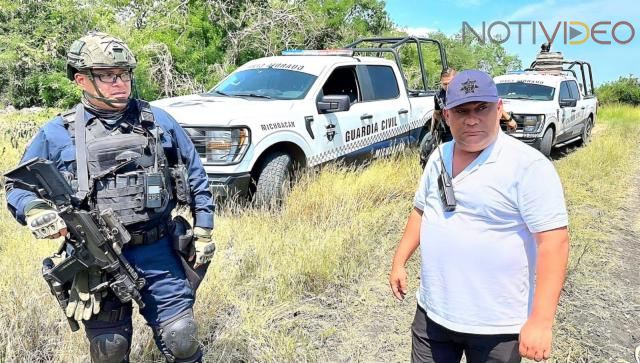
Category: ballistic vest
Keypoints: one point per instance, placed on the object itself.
(123, 167)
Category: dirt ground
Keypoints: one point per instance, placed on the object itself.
(616, 321)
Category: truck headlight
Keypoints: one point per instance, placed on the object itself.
(220, 146)
(532, 123)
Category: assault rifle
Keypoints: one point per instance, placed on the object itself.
(96, 238)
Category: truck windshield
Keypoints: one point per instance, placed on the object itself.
(525, 91)
(268, 83)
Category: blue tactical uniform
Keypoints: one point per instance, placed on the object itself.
(53, 142)
(167, 294)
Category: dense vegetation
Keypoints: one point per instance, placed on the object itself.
(624, 90)
(188, 46)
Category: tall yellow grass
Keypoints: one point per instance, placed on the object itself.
(280, 279)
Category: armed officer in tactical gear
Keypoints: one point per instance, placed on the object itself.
(119, 153)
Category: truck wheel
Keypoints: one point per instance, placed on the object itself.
(428, 144)
(547, 142)
(273, 180)
(586, 132)
(425, 148)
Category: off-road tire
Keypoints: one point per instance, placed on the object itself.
(585, 138)
(547, 142)
(273, 180)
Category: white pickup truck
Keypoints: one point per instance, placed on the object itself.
(302, 109)
(549, 104)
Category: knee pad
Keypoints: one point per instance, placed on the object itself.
(109, 348)
(177, 338)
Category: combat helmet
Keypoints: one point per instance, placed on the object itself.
(98, 50)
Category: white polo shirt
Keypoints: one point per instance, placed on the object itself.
(478, 262)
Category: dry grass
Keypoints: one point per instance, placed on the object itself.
(308, 283)
(599, 185)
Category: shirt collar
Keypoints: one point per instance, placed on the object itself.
(494, 149)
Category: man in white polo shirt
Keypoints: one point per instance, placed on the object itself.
(494, 254)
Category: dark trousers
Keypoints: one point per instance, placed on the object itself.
(433, 343)
(166, 293)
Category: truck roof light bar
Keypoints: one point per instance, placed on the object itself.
(339, 52)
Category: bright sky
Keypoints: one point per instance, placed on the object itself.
(608, 61)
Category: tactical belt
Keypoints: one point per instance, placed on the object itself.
(149, 236)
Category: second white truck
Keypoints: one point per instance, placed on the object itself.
(552, 104)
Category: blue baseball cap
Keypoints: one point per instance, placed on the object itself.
(471, 86)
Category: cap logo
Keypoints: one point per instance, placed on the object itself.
(469, 86)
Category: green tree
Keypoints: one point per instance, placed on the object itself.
(491, 58)
(343, 21)
(186, 46)
(623, 90)
(175, 42)
(35, 37)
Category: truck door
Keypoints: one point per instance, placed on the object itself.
(567, 113)
(581, 112)
(387, 109)
(330, 128)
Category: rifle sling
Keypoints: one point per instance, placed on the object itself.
(81, 153)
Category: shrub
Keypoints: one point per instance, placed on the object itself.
(56, 90)
(624, 90)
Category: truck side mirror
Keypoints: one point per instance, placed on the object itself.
(334, 103)
(568, 102)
